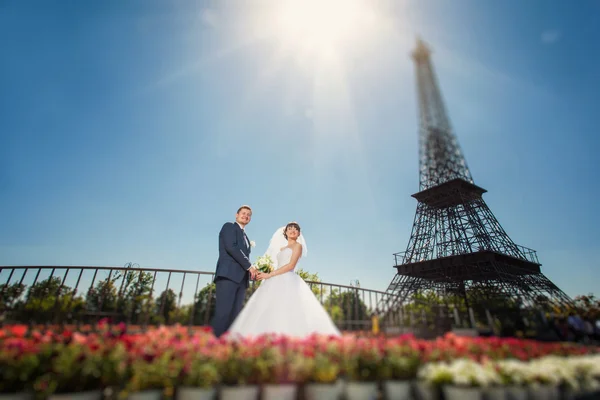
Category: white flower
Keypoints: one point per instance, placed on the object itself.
(252, 243)
(264, 263)
(470, 373)
(435, 373)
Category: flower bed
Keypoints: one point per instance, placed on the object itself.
(167, 359)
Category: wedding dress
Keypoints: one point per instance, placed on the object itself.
(285, 305)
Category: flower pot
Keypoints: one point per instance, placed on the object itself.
(452, 392)
(324, 391)
(279, 392)
(242, 392)
(17, 396)
(194, 393)
(426, 391)
(153, 394)
(89, 395)
(515, 393)
(543, 392)
(570, 394)
(361, 390)
(495, 393)
(396, 390)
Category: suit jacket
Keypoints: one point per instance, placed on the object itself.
(234, 254)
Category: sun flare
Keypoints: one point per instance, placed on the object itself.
(319, 25)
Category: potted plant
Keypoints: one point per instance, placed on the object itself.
(585, 373)
(150, 376)
(399, 368)
(73, 371)
(431, 377)
(19, 367)
(198, 378)
(198, 374)
(512, 378)
(543, 377)
(281, 369)
(362, 366)
(238, 368)
(469, 379)
(322, 375)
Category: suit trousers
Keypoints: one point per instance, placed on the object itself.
(230, 299)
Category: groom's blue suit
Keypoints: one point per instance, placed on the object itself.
(232, 276)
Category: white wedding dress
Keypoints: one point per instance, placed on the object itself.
(285, 305)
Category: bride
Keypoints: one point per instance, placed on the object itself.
(284, 304)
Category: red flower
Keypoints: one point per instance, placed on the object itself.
(207, 329)
(67, 334)
(18, 330)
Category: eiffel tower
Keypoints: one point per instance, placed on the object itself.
(457, 247)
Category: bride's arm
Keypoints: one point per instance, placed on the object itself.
(296, 253)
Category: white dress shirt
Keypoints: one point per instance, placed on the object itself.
(245, 237)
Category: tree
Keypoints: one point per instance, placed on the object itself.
(125, 297)
(347, 306)
(9, 294)
(103, 297)
(587, 307)
(166, 304)
(135, 299)
(181, 315)
(48, 300)
(205, 304)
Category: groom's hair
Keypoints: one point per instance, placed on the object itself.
(242, 207)
(291, 224)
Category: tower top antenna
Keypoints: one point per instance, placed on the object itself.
(421, 52)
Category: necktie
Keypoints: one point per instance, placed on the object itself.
(246, 238)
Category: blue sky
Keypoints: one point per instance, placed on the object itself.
(131, 131)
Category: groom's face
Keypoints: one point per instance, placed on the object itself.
(243, 217)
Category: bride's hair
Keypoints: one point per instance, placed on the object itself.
(291, 225)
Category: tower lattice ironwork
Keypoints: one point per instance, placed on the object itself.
(457, 246)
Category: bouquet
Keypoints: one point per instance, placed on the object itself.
(264, 264)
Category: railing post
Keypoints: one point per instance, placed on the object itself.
(347, 306)
(356, 316)
(104, 288)
(181, 291)
(472, 318)
(57, 301)
(12, 271)
(401, 316)
(543, 318)
(165, 295)
(77, 322)
(490, 320)
(193, 311)
(208, 305)
(47, 291)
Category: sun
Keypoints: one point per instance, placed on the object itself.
(319, 26)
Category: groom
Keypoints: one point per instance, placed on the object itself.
(234, 270)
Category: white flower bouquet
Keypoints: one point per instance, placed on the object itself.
(264, 264)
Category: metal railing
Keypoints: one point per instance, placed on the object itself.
(524, 253)
(435, 319)
(147, 296)
(399, 258)
(140, 297)
(529, 254)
